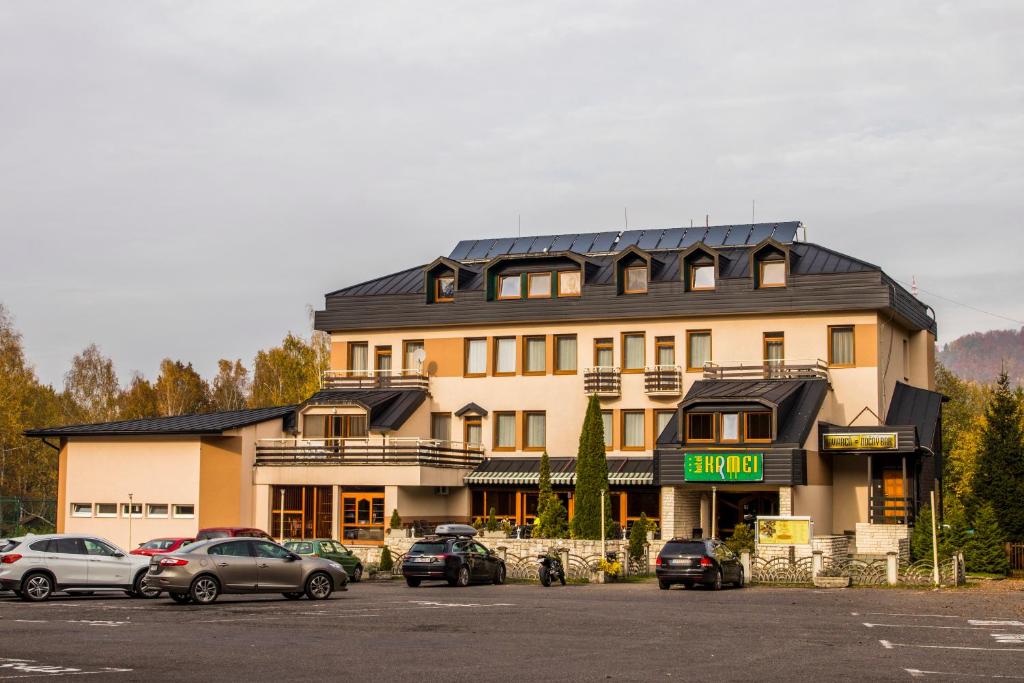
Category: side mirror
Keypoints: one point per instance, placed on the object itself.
(118, 555)
(293, 557)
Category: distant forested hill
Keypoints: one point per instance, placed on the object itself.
(980, 355)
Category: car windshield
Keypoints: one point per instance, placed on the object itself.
(191, 547)
(217, 533)
(7, 545)
(158, 544)
(300, 547)
(687, 548)
(427, 548)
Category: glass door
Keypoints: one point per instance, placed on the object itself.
(362, 518)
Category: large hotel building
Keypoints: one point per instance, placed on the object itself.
(740, 370)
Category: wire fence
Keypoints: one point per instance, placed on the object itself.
(23, 515)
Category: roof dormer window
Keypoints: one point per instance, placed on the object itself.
(702, 277)
(770, 264)
(444, 288)
(510, 287)
(772, 273)
(539, 286)
(635, 280)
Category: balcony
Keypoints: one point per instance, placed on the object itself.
(602, 381)
(663, 380)
(374, 450)
(800, 368)
(374, 379)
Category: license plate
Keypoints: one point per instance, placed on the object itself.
(421, 559)
(682, 563)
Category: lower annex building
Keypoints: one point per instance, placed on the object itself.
(740, 370)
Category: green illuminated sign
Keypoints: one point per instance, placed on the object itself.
(724, 467)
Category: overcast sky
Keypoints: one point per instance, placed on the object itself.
(183, 179)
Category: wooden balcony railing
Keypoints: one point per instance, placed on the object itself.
(374, 379)
(368, 451)
(603, 381)
(664, 380)
(891, 510)
(775, 369)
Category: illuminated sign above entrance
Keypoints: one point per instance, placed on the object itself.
(866, 441)
(716, 467)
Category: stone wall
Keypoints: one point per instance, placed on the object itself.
(680, 511)
(878, 539)
(834, 546)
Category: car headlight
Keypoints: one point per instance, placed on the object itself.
(335, 565)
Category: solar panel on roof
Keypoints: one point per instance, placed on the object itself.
(785, 232)
(738, 234)
(628, 239)
(521, 245)
(691, 236)
(542, 244)
(501, 247)
(716, 235)
(670, 238)
(480, 249)
(760, 232)
(461, 249)
(604, 241)
(563, 242)
(583, 242)
(650, 239)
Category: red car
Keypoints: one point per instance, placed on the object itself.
(230, 532)
(159, 546)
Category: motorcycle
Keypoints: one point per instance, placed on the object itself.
(550, 569)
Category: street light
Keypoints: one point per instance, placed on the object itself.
(131, 513)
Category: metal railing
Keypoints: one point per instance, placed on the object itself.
(783, 368)
(368, 451)
(374, 379)
(603, 381)
(663, 379)
(891, 510)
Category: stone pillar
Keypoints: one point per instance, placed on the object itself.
(817, 563)
(336, 513)
(785, 500)
(745, 561)
(680, 511)
(705, 514)
(892, 572)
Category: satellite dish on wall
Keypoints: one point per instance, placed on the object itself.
(418, 356)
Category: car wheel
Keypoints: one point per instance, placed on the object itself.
(293, 596)
(462, 579)
(664, 585)
(181, 598)
(319, 586)
(561, 577)
(411, 582)
(716, 585)
(204, 590)
(499, 575)
(142, 590)
(545, 577)
(742, 581)
(357, 573)
(36, 588)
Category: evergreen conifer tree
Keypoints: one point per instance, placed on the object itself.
(386, 562)
(955, 535)
(921, 537)
(544, 489)
(999, 479)
(986, 551)
(591, 477)
(638, 538)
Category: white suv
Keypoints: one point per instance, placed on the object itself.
(35, 567)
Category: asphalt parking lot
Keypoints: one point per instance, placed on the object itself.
(522, 631)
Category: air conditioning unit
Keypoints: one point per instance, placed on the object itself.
(440, 490)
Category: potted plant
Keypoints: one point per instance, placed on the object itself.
(396, 524)
(492, 528)
(832, 577)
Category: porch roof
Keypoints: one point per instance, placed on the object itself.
(526, 471)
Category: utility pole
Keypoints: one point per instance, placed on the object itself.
(935, 541)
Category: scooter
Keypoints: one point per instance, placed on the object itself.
(550, 569)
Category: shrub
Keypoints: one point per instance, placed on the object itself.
(386, 562)
(492, 520)
(611, 569)
(396, 521)
(478, 524)
(638, 538)
(742, 539)
(985, 550)
(921, 536)
(506, 526)
(833, 570)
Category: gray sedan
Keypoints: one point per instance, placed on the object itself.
(200, 572)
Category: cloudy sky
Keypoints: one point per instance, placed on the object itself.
(184, 179)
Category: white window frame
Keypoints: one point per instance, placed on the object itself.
(81, 514)
(180, 515)
(126, 511)
(158, 515)
(97, 513)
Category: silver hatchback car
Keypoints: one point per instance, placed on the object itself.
(200, 572)
(35, 567)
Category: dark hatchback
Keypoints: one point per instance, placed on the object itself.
(457, 560)
(708, 562)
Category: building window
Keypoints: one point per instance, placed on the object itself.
(730, 427)
(538, 286)
(568, 283)
(476, 357)
(441, 426)
(608, 423)
(510, 286)
(636, 280)
(758, 427)
(410, 351)
(632, 430)
(504, 355)
(535, 355)
(382, 359)
(700, 427)
(157, 510)
(604, 353)
(698, 349)
(301, 511)
(131, 510)
(358, 356)
(473, 431)
(661, 420)
(772, 274)
(565, 354)
(106, 509)
(774, 348)
(81, 509)
(444, 288)
(633, 352)
(665, 351)
(534, 427)
(504, 431)
(840, 346)
(184, 511)
(702, 278)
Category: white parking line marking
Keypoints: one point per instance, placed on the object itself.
(905, 614)
(32, 621)
(954, 628)
(1008, 637)
(918, 673)
(996, 622)
(427, 603)
(30, 668)
(890, 645)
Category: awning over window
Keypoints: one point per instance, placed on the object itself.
(526, 471)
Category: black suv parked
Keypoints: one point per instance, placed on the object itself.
(708, 562)
(452, 557)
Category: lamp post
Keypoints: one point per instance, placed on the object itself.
(131, 513)
(280, 512)
(714, 511)
(604, 554)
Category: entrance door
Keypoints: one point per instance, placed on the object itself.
(892, 490)
(362, 518)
